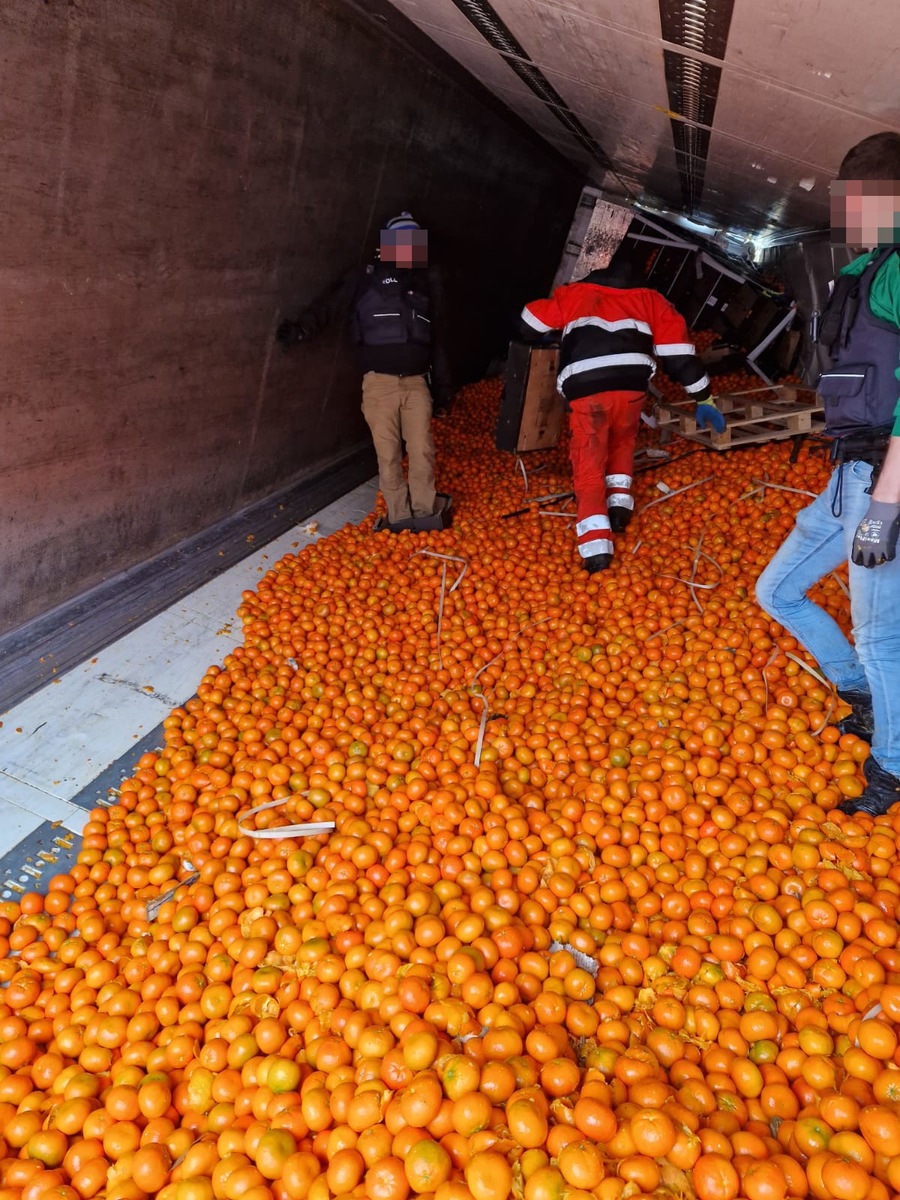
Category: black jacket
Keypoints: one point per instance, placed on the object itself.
(406, 358)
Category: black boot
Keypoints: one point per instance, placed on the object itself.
(619, 518)
(861, 722)
(882, 790)
(597, 562)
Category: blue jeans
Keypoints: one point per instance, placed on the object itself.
(817, 545)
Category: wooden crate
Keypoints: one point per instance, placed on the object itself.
(531, 411)
(765, 414)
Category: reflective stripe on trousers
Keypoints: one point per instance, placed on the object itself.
(604, 431)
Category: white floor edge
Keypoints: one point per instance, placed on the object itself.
(55, 743)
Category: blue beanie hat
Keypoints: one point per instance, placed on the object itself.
(404, 221)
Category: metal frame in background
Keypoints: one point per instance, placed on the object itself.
(645, 229)
(785, 323)
(668, 240)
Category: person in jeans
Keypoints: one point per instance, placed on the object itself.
(395, 304)
(857, 517)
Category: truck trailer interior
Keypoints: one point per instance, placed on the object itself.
(179, 490)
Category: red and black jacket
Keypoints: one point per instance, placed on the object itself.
(612, 335)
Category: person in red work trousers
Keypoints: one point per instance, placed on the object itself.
(613, 330)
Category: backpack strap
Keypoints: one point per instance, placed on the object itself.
(834, 322)
(843, 306)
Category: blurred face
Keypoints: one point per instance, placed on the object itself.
(405, 247)
(865, 212)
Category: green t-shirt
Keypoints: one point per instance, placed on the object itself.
(884, 300)
(884, 294)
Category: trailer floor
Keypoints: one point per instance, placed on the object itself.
(64, 748)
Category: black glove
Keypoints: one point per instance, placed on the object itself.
(291, 333)
(875, 540)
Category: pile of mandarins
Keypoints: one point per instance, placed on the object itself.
(588, 924)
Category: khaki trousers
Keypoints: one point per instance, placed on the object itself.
(398, 410)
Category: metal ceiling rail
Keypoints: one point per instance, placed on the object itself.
(701, 26)
(482, 16)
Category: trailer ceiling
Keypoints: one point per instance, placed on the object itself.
(734, 112)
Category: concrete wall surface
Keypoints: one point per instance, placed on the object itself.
(176, 178)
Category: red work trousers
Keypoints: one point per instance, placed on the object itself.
(604, 431)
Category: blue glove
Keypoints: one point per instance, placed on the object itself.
(709, 416)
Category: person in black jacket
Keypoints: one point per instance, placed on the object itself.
(396, 311)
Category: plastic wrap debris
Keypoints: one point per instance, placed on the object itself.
(312, 829)
(581, 960)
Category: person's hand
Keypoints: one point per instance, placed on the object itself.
(291, 333)
(709, 416)
(875, 540)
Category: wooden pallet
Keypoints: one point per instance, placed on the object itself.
(766, 414)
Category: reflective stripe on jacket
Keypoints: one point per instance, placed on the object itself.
(612, 338)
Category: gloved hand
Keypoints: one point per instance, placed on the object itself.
(875, 540)
(291, 333)
(708, 415)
